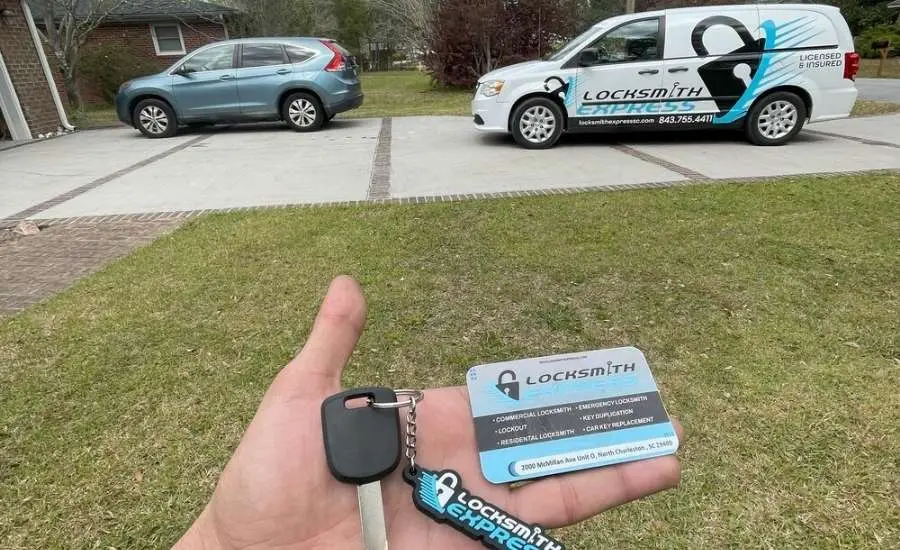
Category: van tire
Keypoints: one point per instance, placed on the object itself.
(775, 119)
(303, 112)
(531, 120)
(155, 118)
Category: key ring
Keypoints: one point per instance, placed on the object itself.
(414, 397)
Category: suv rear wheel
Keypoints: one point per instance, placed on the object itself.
(776, 119)
(537, 123)
(155, 118)
(303, 112)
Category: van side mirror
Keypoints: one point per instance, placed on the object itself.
(589, 57)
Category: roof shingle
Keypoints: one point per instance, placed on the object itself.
(138, 10)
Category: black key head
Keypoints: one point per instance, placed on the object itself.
(362, 444)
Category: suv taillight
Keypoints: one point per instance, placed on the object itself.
(851, 65)
(338, 62)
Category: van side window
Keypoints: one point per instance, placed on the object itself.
(635, 41)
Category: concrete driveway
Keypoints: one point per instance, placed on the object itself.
(116, 171)
(879, 89)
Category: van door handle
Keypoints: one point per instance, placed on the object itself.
(678, 70)
(649, 71)
(226, 77)
(283, 71)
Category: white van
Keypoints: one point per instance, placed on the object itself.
(766, 68)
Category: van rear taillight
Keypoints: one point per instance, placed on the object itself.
(851, 65)
(338, 62)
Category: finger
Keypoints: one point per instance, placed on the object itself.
(317, 368)
(578, 496)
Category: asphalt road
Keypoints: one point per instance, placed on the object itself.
(879, 89)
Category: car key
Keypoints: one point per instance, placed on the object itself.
(362, 447)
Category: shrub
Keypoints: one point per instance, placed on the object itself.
(105, 68)
(472, 37)
(881, 32)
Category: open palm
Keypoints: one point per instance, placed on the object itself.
(277, 491)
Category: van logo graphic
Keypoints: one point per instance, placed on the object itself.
(729, 75)
(511, 388)
(564, 89)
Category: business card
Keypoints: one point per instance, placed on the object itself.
(561, 413)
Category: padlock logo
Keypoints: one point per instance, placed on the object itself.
(728, 76)
(446, 487)
(511, 388)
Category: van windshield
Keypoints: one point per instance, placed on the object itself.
(571, 45)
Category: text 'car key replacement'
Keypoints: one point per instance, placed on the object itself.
(562, 413)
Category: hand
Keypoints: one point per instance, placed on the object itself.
(277, 491)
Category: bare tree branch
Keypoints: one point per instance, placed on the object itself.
(67, 25)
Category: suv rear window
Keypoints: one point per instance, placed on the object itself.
(298, 54)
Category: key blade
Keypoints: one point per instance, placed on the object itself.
(371, 513)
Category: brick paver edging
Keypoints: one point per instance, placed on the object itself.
(184, 214)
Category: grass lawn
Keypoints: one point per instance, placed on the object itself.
(868, 68)
(768, 312)
(405, 93)
(94, 116)
(869, 108)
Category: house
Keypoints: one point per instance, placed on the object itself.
(156, 32)
(29, 103)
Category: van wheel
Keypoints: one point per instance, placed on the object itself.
(303, 112)
(537, 123)
(775, 119)
(155, 118)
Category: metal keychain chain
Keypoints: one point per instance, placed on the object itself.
(413, 398)
(411, 433)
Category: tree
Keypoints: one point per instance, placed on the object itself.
(472, 37)
(411, 21)
(276, 17)
(67, 24)
(353, 23)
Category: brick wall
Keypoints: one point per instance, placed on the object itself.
(137, 40)
(25, 71)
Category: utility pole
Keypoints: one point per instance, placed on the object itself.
(629, 6)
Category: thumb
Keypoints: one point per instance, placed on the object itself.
(316, 370)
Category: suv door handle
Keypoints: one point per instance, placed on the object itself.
(678, 69)
(283, 71)
(226, 77)
(649, 71)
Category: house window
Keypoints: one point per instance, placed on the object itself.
(167, 39)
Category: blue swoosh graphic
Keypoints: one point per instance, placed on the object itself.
(428, 491)
(749, 95)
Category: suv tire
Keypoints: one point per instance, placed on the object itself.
(537, 123)
(155, 118)
(303, 112)
(775, 119)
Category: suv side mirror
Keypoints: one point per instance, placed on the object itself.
(589, 57)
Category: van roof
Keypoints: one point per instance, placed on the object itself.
(771, 4)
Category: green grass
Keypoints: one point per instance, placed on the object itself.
(768, 312)
(405, 93)
(864, 107)
(94, 116)
(869, 68)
